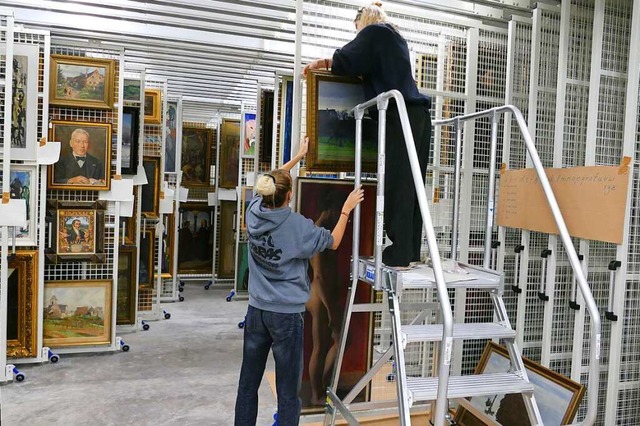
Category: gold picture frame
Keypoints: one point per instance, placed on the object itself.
(246, 195)
(168, 257)
(557, 396)
(196, 156)
(331, 124)
(22, 302)
(81, 82)
(93, 141)
(76, 231)
(126, 297)
(152, 106)
(77, 313)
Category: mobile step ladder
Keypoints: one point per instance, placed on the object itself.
(442, 387)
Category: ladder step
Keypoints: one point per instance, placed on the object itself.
(426, 388)
(421, 276)
(469, 331)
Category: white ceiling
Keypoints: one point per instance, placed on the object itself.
(221, 49)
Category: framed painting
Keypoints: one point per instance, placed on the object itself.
(227, 248)
(246, 196)
(150, 197)
(249, 134)
(146, 272)
(77, 313)
(76, 231)
(85, 156)
(126, 298)
(195, 239)
(195, 161)
(332, 126)
(81, 82)
(168, 258)
(131, 90)
(130, 133)
(22, 302)
(266, 125)
(24, 116)
(321, 200)
(286, 117)
(170, 124)
(229, 153)
(23, 186)
(152, 106)
(242, 269)
(557, 397)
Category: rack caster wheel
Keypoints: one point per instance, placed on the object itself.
(167, 315)
(180, 289)
(53, 357)
(124, 346)
(181, 299)
(275, 418)
(18, 375)
(230, 296)
(145, 326)
(241, 324)
(391, 377)
(207, 285)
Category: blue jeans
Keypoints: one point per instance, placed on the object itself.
(264, 330)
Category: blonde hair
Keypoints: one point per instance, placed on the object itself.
(372, 14)
(273, 187)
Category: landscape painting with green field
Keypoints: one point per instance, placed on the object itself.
(77, 313)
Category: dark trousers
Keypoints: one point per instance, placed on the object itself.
(402, 218)
(263, 331)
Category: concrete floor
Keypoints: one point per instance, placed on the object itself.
(182, 371)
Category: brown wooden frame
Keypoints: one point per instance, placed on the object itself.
(226, 247)
(151, 273)
(186, 181)
(127, 316)
(229, 153)
(314, 162)
(153, 184)
(465, 417)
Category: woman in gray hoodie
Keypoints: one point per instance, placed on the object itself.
(280, 243)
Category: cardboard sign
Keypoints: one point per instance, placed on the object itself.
(592, 201)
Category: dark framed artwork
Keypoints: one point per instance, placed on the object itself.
(558, 397)
(128, 225)
(321, 200)
(150, 196)
(266, 125)
(286, 117)
(229, 153)
(130, 133)
(81, 82)
(242, 269)
(24, 123)
(170, 124)
(85, 156)
(168, 257)
(196, 156)
(246, 195)
(77, 313)
(195, 239)
(126, 299)
(146, 272)
(152, 106)
(22, 302)
(227, 248)
(332, 126)
(23, 186)
(76, 231)
(249, 134)
(131, 90)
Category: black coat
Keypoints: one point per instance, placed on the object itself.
(67, 168)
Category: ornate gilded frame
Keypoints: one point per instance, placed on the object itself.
(152, 98)
(79, 65)
(25, 262)
(126, 297)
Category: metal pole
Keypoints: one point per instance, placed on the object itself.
(492, 189)
(456, 190)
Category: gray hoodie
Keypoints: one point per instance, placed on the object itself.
(280, 244)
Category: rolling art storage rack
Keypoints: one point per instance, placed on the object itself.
(442, 387)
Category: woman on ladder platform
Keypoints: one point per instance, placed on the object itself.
(380, 56)
(280, 244)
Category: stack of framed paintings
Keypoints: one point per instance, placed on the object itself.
(321, 200)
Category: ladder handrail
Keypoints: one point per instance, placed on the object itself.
(444, 360)
(594, 355)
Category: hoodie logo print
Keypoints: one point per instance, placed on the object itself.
(267, 248)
